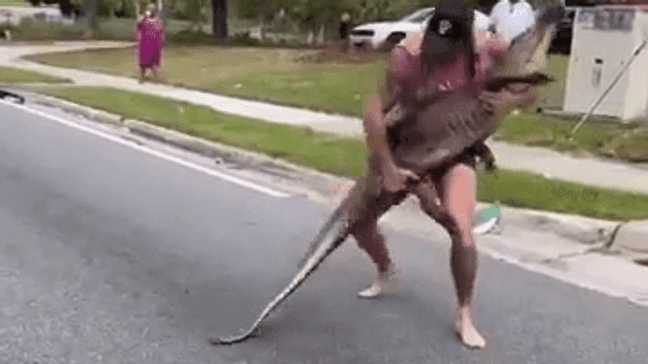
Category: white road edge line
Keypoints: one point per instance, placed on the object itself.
(170, 158)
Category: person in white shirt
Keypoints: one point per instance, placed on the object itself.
(481, 21)
(511, 18)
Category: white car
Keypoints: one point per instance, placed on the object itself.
(383, 35)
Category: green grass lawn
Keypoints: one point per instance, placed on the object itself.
(14, 3)
(253, 72)
(345, 157)
(528, 190)
(277, 75)
(600, 137)
(10, 76)
(268, 73)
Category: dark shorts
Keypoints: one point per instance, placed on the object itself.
(372, 200)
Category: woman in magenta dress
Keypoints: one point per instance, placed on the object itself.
(150, 37)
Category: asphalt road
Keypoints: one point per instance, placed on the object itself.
(112, 255)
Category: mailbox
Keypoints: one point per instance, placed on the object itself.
(604, 40)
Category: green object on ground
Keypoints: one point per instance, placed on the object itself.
(346, 157)
(491, 212)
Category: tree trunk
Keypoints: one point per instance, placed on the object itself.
(311, 36)
(162, 11)
(92, 6)
(321, 37)
(219, 22)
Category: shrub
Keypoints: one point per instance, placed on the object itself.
(30, 29)
(189, 36)
(9, 27)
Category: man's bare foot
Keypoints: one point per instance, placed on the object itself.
(467, 331)
(382, 284)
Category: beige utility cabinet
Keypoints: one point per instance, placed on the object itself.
(604, 39)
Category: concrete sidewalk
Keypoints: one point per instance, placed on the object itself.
(336, 124)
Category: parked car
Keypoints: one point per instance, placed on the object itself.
(384, 35)
(48, 13)
(381, 35)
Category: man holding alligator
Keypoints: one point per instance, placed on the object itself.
(442, 97)
(435, 87)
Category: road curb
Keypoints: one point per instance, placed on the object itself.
(69, 107)
(220, 153)
(585, 230)
(633, 237)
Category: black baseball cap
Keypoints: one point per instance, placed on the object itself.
(451, 19)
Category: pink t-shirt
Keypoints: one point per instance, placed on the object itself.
(405, 66)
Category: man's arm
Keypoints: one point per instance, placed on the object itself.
(375, 123)
(377, 130)
(378, 106)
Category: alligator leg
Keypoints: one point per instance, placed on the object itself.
(485, 154)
